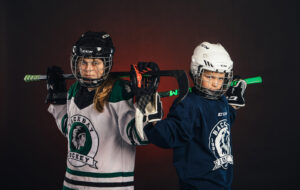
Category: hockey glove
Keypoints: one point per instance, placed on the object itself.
(56, 86)
(144, 78)
(153, 112)
(235, 93)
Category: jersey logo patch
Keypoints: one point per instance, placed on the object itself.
(83, 142)
(219, 144)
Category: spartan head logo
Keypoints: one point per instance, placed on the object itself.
(223, 142)
(219, 144)
(79, 137)
(83, 142)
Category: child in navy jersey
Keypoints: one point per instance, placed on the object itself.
(198, 128)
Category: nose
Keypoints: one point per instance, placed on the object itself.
(215, 82)
(89, 67)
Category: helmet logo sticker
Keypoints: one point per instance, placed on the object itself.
(205, 46)
(207, 63)
(105, 36)
(219, 144)
(85, 51)
(83, 142)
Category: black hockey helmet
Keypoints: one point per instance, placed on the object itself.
(94, 45)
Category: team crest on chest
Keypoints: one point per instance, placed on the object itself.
(219, 144)
(83, 142)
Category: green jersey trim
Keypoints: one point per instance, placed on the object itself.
(64, 124)
(100, 175)
(97, 184)
(119, 92)
(67, 188)
(73, 90)
(130, 129)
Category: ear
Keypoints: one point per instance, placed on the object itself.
(191, 75)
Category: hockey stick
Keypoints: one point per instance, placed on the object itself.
(31, 78)
(180, 76)
(252, 80)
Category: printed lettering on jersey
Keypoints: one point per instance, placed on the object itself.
(83, 142)
(219, 144)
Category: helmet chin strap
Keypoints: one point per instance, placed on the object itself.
(210, 94)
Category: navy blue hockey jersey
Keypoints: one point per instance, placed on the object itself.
(198, 130)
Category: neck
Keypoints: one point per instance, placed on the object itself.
(91, 89)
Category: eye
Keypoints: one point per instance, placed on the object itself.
(83, 63)
(94, 63)
(208, 76)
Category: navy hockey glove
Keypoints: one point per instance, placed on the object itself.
(56, 86)
(235, 93)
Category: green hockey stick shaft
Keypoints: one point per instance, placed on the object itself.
(34, 78)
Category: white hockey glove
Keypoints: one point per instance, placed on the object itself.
(235, 93)
(152, 112)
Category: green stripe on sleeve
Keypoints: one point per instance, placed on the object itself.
(67, 188)
(64, 124)
(73, 90)
(130, 129)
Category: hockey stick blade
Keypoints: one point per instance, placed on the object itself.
(182, 81)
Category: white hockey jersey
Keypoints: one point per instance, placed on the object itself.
(101, 146)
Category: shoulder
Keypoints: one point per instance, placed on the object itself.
(193, 99)
(188, 103)
(120, 91)
(73, 90)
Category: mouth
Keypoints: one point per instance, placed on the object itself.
(88, 76)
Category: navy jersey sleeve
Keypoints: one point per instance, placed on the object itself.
(176, 129)
(232, 113)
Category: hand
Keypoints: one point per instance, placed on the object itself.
(235, 94)
(151, 113)
(56, 86)
(154, 110)
(144, 78)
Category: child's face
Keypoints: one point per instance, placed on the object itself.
(91, 68)
(212, 80)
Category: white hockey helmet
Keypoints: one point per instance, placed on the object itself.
(211, 57)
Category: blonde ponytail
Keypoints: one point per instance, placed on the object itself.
(102, 94)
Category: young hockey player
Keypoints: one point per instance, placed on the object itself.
(198, 128)
(96, 116)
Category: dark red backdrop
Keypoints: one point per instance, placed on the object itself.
(261, 37)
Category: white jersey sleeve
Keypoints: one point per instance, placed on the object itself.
(59, 112)
(121, 101)
(60, 115)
